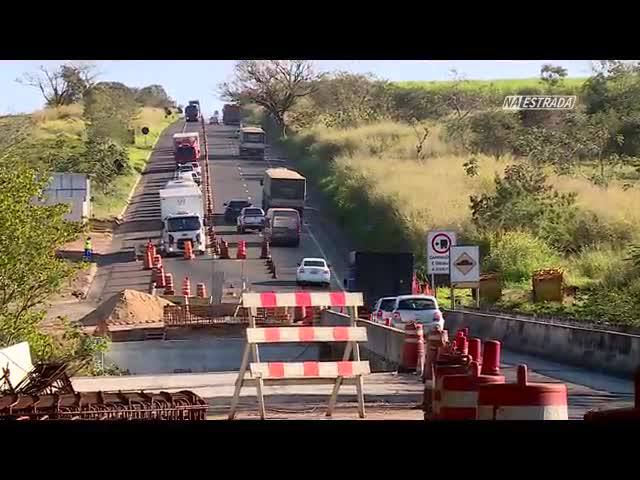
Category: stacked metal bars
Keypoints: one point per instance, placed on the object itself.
(183, 405)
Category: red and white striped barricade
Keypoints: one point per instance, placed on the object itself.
(350, 372)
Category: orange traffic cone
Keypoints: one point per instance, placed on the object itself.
(188, 250)
(265, 252)
(201, 290)
(168, 284)
(224, 250)
(186, 287)
(242, 250)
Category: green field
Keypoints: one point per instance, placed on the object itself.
(504, 85)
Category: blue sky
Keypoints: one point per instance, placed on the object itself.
(198, 79)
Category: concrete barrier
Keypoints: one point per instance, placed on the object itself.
(599, 350)
(384, 344)
(212, 354)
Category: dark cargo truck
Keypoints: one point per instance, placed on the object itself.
(231, 114)
(379, 275)
(192, 113)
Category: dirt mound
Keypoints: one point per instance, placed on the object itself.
(129, 307)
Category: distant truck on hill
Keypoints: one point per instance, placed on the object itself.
(231, 114)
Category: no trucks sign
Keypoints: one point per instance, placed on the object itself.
(439, 244)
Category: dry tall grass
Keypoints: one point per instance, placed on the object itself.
(58, 113)
(430, 192)
(434, 192)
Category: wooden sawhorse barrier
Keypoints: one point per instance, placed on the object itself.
(302, 373)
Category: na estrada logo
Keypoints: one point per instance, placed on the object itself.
(539, 102)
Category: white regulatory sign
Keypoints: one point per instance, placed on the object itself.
(465, 266)
(439, 244)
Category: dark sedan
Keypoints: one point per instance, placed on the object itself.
(233, 208)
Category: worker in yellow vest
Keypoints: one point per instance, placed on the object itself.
(88, 250)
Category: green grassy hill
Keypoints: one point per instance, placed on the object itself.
(67, 123)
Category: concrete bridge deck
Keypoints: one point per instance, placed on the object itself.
(388, 395)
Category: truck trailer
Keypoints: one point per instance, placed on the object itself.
(231, 114)
(252, 142)
(192, 113)
(182, 213)
(186, 147)
(380, 274)
(283, 188)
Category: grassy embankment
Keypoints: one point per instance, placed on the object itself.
(506, 86)
(67, 122)
(387, 199)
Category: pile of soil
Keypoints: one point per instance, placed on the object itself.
(129, 307)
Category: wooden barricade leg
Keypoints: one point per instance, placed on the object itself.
(253, 312)
(239, 382)
(260, 395)
(359, 385)
(336, 387)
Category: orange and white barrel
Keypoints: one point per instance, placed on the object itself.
(441, 371)
(168, 284)
(409, 348)
(459, 393)
(523, 400)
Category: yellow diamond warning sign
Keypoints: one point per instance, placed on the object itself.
(464, 263)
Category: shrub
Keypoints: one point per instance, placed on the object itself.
(517, 254)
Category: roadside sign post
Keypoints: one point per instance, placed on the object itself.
(145, 132)
(465, 270)
(439, 242)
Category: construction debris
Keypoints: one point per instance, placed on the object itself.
(129, 307)
(183, 405)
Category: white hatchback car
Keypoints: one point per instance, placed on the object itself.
(417, 308)
(383, 310)
(313, 271)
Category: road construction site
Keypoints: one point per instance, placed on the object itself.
(205, 358)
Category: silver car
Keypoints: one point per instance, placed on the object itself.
(250, 218)
(422, 309)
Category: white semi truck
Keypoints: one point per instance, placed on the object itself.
(182, 213)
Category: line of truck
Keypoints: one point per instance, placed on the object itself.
(181, 202)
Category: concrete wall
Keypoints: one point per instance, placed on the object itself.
(213, 354)
(609, 352)
(17, 358)
(74, 189)
(384, 344)
(599, 350)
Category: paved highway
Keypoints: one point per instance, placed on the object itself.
(235, 177)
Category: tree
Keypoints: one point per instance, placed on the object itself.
(29, 270)
(346, 99)
(275, 85)
(108, 109)
(63, 85)
(154, 96)
(462, 103)
(552, 76)
(13, 134)
(524, 201)
(421, 132)
(492, 132)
